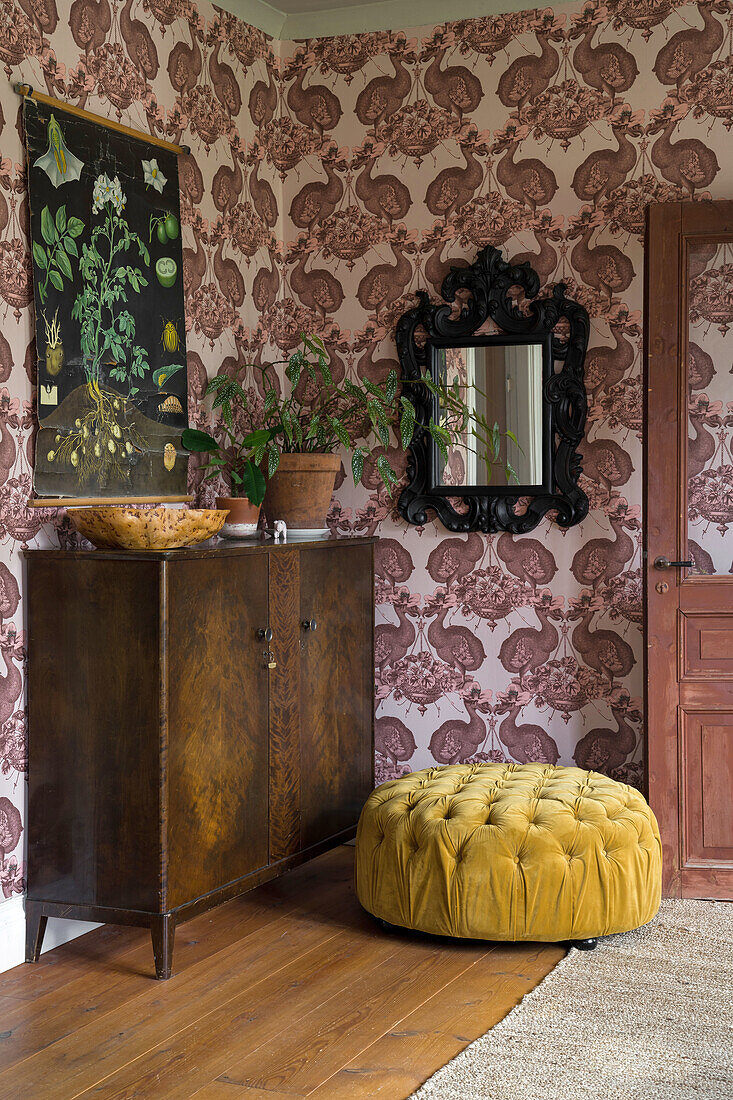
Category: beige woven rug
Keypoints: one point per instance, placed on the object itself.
(648, 1015)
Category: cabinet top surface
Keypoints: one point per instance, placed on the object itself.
(213, 548)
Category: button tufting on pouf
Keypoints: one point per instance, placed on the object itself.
(509, 852)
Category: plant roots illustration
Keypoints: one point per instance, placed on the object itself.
(104, 441)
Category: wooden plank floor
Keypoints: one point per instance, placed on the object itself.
(289, 991)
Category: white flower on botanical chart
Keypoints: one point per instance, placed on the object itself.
(107, 190)
(153, 175)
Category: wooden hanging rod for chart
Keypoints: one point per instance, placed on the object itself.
(28, 92)
(97, 502)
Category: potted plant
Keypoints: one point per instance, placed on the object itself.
(232, 458)
(298, 438)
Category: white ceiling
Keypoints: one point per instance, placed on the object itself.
(295, 7)
(291, 19)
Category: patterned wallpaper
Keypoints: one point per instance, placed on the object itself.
(329, 180)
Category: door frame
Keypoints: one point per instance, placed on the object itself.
(668, 228)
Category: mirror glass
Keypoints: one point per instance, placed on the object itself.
(503, 384)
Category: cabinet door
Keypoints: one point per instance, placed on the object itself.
(93, 636)
(336, 688)
(217, 706)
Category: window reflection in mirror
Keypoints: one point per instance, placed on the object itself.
(502, 383)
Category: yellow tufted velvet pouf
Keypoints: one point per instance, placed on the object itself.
(509, 852)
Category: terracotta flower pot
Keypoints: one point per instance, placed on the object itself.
(241, 523)
(300, 490)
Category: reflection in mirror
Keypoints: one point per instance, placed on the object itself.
(501, 383)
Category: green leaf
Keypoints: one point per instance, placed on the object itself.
(340, 432)
(315, 423)
(387, 474)
(314, 344)
(294, 368)
(253, 483)
(273, 460)
(75, 226)
(61, 219)
(441, 437)
(227, 387)
(39, 255)
(390, 388)
(56, 279)
(407, 426)
(63, 263)
(195, 440)
(48, 229)
(287, 423)
(325, 371)
(511, 473)
(260, 437)
(357, 465)
(375, 391)
(70, 245)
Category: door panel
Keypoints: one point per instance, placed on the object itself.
(689, 542)
(336, 689)
(707, 646)
(218, 740)
(707, 744)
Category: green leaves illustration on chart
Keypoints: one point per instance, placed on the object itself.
(53, 258)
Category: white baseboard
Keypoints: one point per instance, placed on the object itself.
(12, 932)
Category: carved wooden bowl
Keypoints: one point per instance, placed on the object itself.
(122, 528)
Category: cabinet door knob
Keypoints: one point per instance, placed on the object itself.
(265, 634)
(309, 624)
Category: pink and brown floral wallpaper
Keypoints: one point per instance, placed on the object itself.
(330, 179)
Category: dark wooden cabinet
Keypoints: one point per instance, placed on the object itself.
(178, 756)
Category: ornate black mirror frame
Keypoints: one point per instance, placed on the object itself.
(489, 281)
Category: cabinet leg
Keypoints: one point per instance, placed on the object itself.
(163, 931)
(35, 928)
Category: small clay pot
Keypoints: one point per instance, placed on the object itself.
(241, 523)
(300, 490)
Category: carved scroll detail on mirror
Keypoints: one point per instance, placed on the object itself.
(489, 281)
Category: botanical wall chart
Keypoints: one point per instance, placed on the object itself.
(110, 324)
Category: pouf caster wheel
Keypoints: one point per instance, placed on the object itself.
(585, 945)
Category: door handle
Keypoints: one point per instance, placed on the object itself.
(665, 563)
(265, 634)
(309, 624)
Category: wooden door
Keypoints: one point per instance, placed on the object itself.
(689, 542)
(336, 688)
(217, 775)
